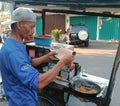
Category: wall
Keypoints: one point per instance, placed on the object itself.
(110, 27)
(39, 26)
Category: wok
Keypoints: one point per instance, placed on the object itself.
(84, 87)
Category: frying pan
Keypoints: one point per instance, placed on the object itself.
(75, 85)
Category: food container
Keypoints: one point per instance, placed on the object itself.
(45, 40)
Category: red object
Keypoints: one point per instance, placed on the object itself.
(44, 36)
(28, 39)
(100, 22)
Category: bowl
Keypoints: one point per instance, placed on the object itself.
(44, 40)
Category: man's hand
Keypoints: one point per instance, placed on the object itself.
(52, 54)
(67, 59)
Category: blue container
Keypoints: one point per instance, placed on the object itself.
(43, 41)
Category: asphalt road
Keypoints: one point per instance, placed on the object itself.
(98, 60)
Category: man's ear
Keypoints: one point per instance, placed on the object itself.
(19, 25)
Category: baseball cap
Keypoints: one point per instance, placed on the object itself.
(21, 14)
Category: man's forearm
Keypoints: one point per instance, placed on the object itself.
(39, 60)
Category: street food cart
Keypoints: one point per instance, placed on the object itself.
(63, 90)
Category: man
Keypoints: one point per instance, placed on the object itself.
(3, 36)
(21, 80)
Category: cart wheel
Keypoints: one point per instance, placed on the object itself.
(46, 100)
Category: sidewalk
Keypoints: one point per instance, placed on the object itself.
(104, 44)
(3, 104)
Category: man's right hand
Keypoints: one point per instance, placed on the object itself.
(67, 59)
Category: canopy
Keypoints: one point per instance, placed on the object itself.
(82, 3)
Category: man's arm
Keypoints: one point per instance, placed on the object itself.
(48, 76)
(37, 61)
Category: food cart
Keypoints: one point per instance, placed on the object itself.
(62, 91)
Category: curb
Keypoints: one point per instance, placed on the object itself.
(104, 41)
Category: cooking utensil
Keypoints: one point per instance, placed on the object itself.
(53, 60)
(84, 87)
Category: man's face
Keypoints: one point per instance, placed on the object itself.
(27, 29)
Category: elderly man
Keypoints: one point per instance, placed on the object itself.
(21, 80)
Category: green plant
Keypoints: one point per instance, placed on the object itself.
(56, 33)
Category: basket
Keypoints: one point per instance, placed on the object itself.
(43, 41)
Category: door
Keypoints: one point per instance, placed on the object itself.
(54, 21)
